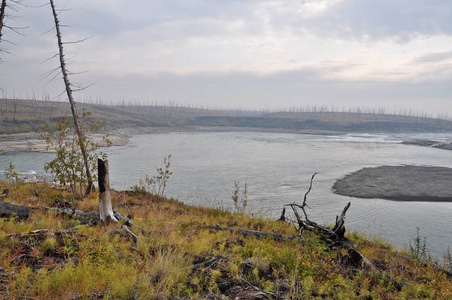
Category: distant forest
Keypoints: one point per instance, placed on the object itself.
(17, 116)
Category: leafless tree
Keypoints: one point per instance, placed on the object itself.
(2, 17)
(68, 87)
(11, 5)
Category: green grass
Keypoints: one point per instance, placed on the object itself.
(178, 257)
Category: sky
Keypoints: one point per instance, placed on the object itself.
(258, 54)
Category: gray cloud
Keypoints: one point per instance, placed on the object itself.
(295, 88)
(434, 57)
(368, 19)
(348, 19)
(334, 50)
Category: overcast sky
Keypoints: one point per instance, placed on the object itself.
(240, 53)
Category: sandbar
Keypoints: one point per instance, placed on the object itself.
(402, 183)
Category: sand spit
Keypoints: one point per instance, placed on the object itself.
(403, 183)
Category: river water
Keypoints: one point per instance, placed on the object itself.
(277, 168)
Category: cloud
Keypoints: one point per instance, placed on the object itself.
(284, 89)
(434, 57)
(252, 52)
(401, 20)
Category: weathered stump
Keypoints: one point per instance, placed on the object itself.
(105, 209)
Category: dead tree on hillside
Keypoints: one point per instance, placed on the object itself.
(68, 86)
(333, 237)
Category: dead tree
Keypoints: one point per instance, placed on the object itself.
(2, 17)
(333, 237)
(11, 5)
(105, 210)
(106, 213)
(67, 84)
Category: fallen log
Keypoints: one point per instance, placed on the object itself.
(9, 210)
(84, 216)
(256, 233)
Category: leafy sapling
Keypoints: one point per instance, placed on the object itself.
(157, 184)
(68, 165)
(418, 247)
(11, 173)
(240, 198)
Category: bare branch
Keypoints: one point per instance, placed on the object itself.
(84, 88)
(50, 30)
(310, 187)
(78, 41)
(50, 58)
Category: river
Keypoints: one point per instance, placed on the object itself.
(277, 168)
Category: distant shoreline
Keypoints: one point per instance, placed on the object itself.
(399, 183)
(32, 142)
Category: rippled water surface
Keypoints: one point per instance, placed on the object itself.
(277, 168)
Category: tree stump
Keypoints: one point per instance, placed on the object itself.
(105, 209)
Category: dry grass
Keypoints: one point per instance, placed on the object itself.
(177, 257)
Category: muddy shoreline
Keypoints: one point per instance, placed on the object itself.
(400, 183)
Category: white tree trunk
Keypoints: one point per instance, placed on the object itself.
(105, 210)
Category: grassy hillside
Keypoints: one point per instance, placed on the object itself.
(177, 256)
(18, 116)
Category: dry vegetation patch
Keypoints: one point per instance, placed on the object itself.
(179, 256)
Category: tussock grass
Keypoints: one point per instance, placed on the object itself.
(178, 257)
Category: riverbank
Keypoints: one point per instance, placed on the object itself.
(403, 183)
(32, 142)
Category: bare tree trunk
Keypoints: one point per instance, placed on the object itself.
(105, 210)
(2, 17)
(67, 84)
